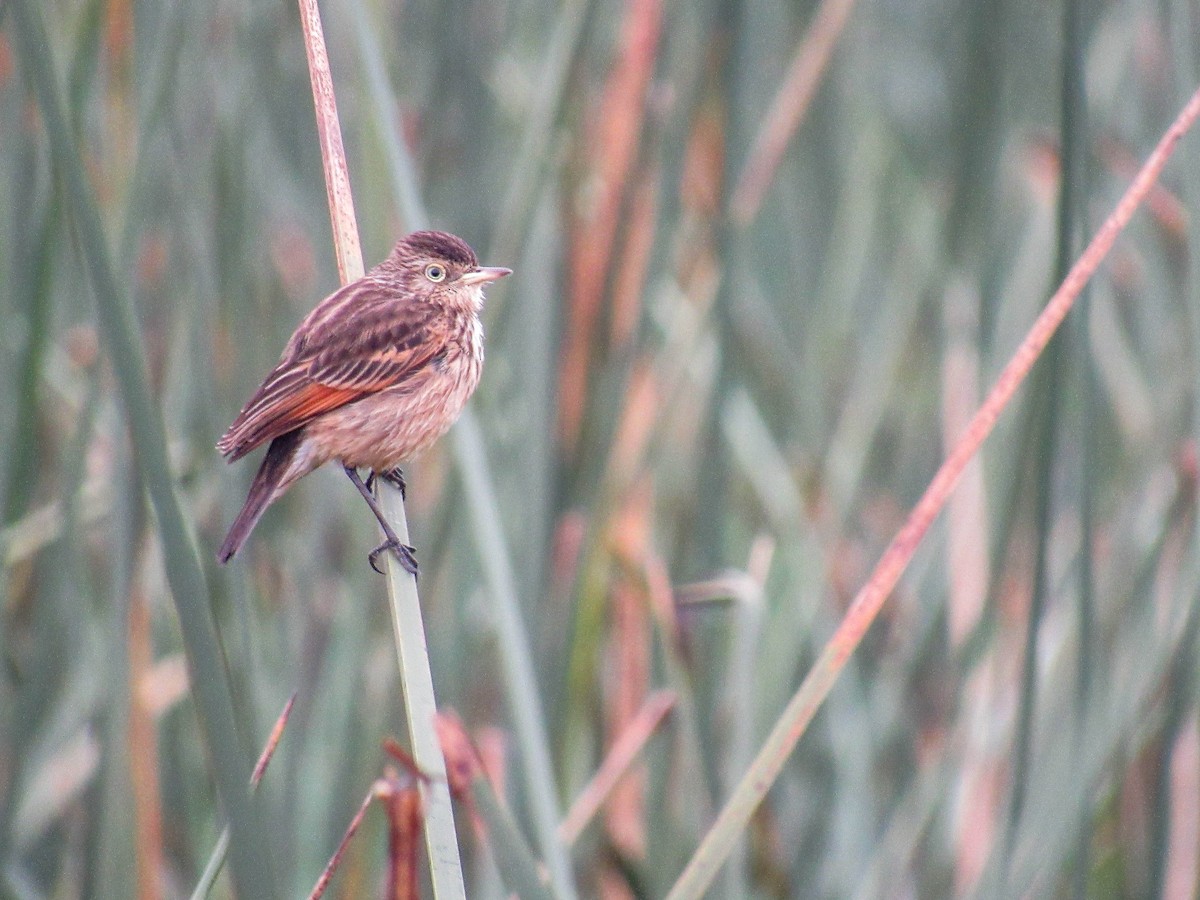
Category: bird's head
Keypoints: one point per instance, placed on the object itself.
(437, 264)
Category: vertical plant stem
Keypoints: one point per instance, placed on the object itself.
(1072, 226)
(420, 710)
(118, 325)
(525, 184)
(1048, 423)
(420, 705)
(333, 154)
(470, 455)
(34, 259)
(515, 656)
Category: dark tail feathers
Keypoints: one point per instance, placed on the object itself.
(262, 492)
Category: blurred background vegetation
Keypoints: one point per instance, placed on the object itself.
(714, 386)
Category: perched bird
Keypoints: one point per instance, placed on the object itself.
(375, 374)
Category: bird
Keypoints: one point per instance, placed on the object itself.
(375, 374)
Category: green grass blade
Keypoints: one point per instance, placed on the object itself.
(420, 710)
(118, 324)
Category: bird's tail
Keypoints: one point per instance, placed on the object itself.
(267, 485)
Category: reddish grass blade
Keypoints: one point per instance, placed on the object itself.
(613, 144)
(405, 819)
(788, 108)
(624, 751)
(337, 173)
(523, 875)
(351, 829)
(273, 739)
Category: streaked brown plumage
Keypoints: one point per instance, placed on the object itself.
(375, 374)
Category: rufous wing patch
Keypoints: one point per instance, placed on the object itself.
(272, 413)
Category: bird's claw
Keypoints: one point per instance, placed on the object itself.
(404, 553)
(395, 477)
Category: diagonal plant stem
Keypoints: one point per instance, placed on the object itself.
(420, 705)
(621, 756)
(790, 727)
(216, 859)
(118, 325)
(789, 107)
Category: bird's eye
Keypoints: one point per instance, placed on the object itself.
(434, 272)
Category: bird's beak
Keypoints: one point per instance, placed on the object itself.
(484, 274)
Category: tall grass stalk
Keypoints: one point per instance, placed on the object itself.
(441, 840)
(487, 527)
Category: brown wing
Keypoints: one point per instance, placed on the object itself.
(362, 352)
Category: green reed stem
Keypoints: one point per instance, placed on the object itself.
(118, 325)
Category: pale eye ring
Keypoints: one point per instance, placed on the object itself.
(435, 273)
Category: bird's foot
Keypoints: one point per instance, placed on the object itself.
(404, 553)
(395, 477)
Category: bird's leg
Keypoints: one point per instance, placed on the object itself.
(405, 553)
